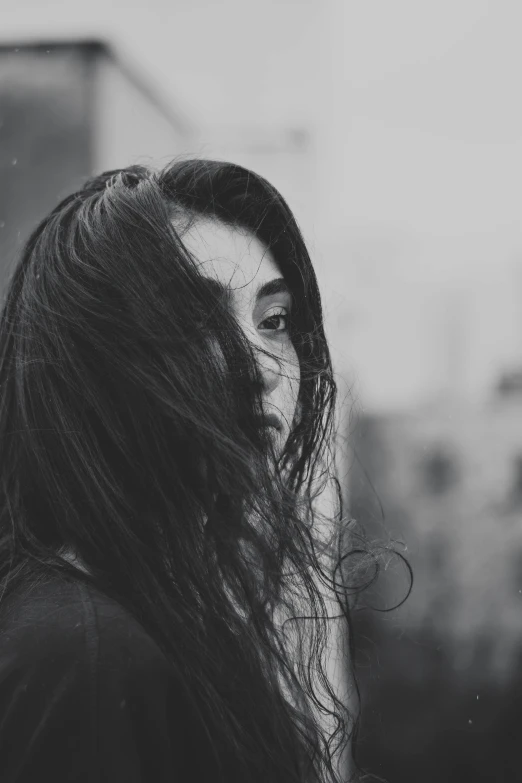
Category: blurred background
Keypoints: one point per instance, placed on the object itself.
(394, 130)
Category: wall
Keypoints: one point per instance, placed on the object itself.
(129, 127)
(44, 139)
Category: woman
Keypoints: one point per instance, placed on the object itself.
(165, 425)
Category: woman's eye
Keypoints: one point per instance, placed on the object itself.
(278, 322)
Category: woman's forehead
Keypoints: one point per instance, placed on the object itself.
(233, 257)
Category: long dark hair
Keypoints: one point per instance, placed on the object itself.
(128, 438)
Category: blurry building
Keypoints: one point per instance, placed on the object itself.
(448, 479)
(68, 110)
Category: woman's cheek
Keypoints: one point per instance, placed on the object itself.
(294, 375)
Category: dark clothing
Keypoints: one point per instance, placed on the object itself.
(87, 696)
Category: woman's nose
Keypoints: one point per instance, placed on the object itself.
(269, 370)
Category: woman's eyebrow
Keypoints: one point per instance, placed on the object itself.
(276, 286)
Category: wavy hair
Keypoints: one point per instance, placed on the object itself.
(128, 435)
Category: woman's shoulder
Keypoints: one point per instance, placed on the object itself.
(59, 616)
(82, 681)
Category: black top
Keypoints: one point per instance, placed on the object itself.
(87, 696)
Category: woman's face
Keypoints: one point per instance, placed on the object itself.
(261, 303)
